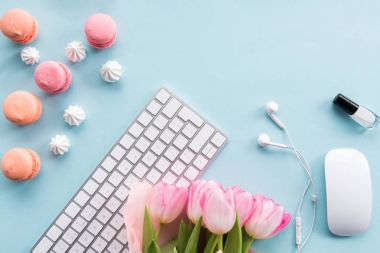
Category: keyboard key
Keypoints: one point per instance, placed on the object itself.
(182, 182)
(113, 204)
(81, 198)
(79, 224)
(200, 162)
(115, 247)
(218, 139)
(160, 121)
(124, 167)
(108, 164)
(178, 167)
(86, 238)
(127, 141)
(122, 193)
(130, 180)
(151, 132)
(136, 129)
(108, 233)
(54, 233)
(61, 247)
(118, 152)
(99, 244)
(106, 190)
(122, 236)
(176, 124)
(72, 210)
(69, 236)
(140, 170)
(189, 130)
(202, 137)
(43, 246)
(209, 151)
(180, 142)
(172, 107)
(171, 153)
(163, 96)
(104, 215)
(153, 176)
(88, 212)
(77, 248)
(187, 114)
(97, 201)
(145, 118)
(99, 175)
(153, 107)
(95, 227)
(142, 144)
(115, 178)
(163, 164)
(117, 221)
(167, 136)
(90, 187)
(149, 158)
(63, 221)
(134, 155)
(191, 173)
(169, 178)
(158, 147)
(187, 156)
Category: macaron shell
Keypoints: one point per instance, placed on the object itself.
(19, 26)
(20, 164)
(53, 77)
(100, 30)
(22, 108)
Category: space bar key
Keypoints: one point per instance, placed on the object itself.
(202, 137)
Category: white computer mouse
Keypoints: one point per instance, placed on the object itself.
(348, 192)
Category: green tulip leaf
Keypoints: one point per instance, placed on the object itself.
(153, 247)
(148, 234)
(192, 244)
(175, 250)
(247, 242)
(234, 238)
(211, 244)
(183, 237)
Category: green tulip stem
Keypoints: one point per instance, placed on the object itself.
(247, 243)
(220, 242)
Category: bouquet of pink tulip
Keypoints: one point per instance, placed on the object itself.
(204, 217)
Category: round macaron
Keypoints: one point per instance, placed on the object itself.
(22, 107)
(19, 26)
(100, 30)
(52, 77)
(20, 164)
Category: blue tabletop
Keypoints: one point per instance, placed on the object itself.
(224, 58)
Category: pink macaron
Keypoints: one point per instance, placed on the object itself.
(53, 77)
(100, 30)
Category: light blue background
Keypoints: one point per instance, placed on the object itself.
(224, 58)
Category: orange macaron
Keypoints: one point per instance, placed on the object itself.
(19, 26)
(20, 164)
(22, 107)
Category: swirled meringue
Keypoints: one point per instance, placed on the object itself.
(75, 51)
(30, 55)
(111, 71)
(74, 115)
(59, 144)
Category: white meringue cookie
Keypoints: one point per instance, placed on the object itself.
(111, 71)
(30, 55)
(75, 51)
(74, 115)
(59, 144)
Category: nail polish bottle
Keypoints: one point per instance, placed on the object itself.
(359, 113)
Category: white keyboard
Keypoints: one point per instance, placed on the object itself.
(167, 142)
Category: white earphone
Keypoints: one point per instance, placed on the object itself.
(264, 141)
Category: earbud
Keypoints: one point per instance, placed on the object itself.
(264, 140)
(272, 108)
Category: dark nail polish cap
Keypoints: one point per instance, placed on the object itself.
(345, 104)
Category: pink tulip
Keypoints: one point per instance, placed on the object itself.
(196, 193)
(244, 204)
(267, 219)
(218, 210)
(134, 214)
(167, 202)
